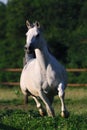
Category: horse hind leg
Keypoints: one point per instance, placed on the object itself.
(26, 99)
(42, 111)
(61, 93)
(26, 94)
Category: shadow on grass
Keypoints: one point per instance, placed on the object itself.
(7, 127)
(14, 101)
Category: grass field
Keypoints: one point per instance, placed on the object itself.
(14, 115)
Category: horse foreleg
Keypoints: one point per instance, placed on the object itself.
(39, 106)
(64, 112)
(46, 101)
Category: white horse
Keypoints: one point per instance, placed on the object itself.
(43, 76)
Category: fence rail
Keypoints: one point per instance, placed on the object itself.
(20, 69)
(77, 70)
(11, 69)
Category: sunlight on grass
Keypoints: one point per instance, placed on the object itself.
(75, 99)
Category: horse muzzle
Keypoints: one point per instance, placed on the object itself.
(29, 49)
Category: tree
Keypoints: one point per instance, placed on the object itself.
(64, 27)
(2, 21)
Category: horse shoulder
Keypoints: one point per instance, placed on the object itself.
(55, 72)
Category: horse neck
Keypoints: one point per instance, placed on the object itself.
(42, 55)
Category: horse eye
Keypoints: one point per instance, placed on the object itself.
(37, 35)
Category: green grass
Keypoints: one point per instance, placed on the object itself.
(22, 120)
(14, 115)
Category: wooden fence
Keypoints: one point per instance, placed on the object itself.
(20, 69)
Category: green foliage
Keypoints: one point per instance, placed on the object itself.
(64, 24)
(2, 21)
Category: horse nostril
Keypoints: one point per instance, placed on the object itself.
(25, 48)
(37, 36)
(30, 48)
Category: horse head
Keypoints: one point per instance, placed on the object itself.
(32, 35)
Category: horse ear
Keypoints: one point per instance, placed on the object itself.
(37, 24)
(28, 24)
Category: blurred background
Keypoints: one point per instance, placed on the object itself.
(64, 26)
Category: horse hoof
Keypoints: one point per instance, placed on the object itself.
(65, 114)
(42, 112)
